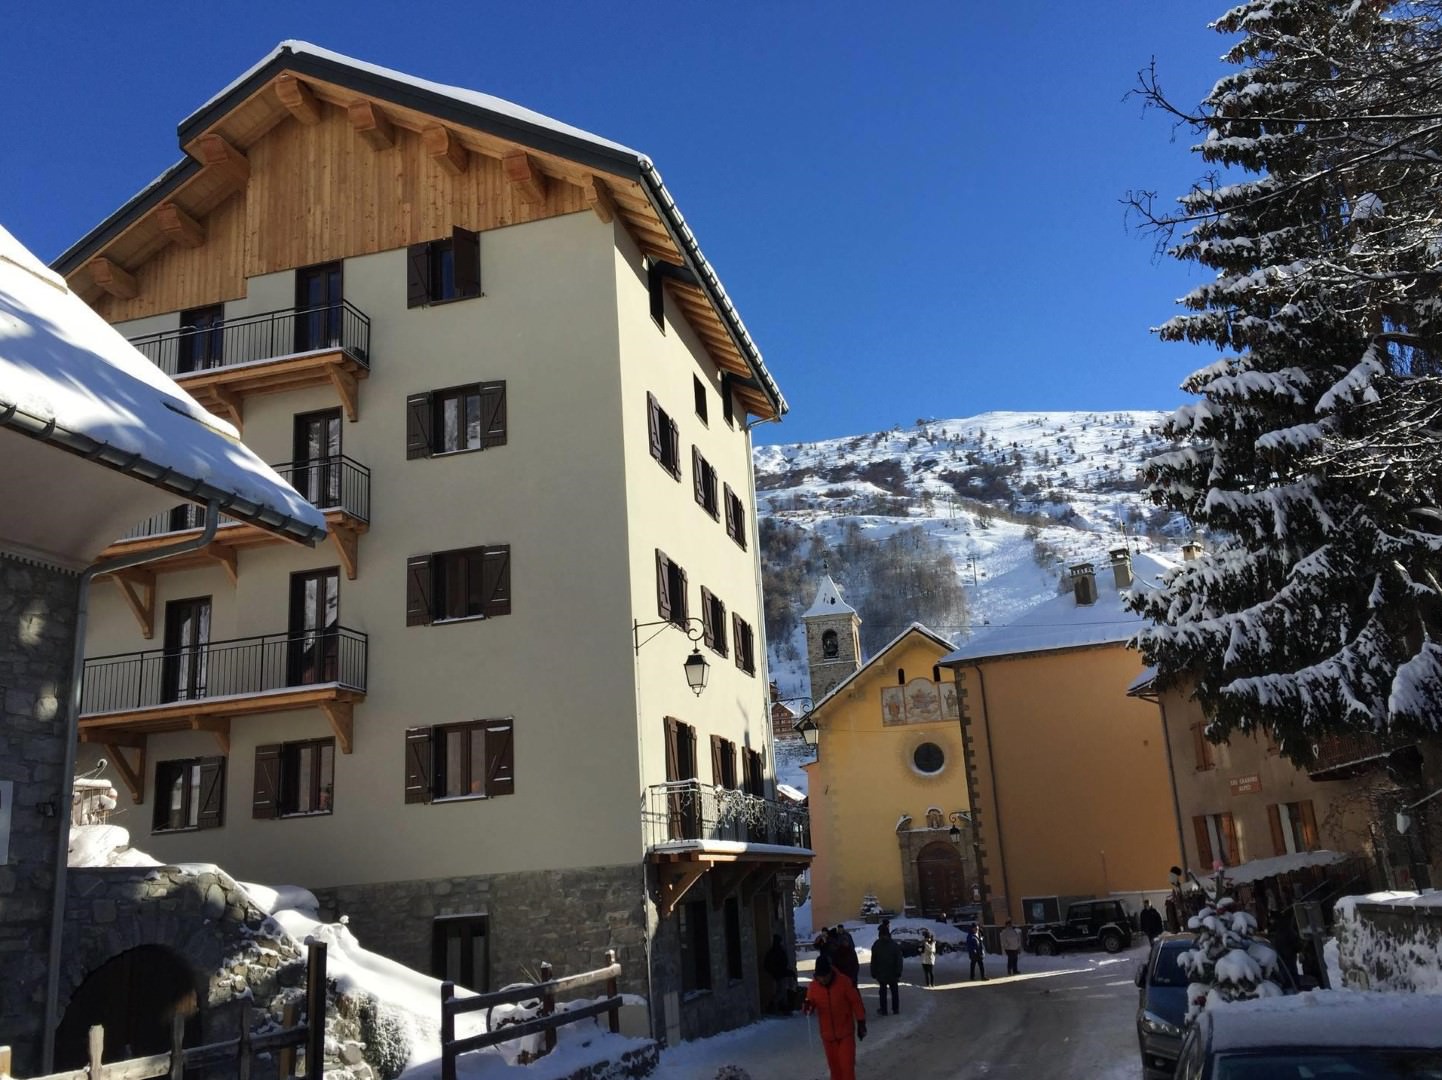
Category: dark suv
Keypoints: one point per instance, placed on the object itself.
(1088, 923)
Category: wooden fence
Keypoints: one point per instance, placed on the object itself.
(240, 1050)
(547, 1022)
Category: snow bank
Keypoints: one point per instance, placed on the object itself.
(1391, 941)
(103, 845)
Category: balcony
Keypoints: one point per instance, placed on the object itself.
(694, 828)
(1342, 757)
(129, 696)
(223, 363)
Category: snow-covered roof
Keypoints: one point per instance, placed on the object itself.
(828, 600)
(789, 792)
(69, 380)
(914, 628)
(734, 847)
(1329, 1018)
(1258, 869)
(1062, 623)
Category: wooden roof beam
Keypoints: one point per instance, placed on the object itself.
(598, 197)
(113, 278)
(178, 226)
(370, 122)
(445, 149)
(525, 176)
(298, 99)
(226, 161)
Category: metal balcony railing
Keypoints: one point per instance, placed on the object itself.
(335, 483)
(267, 336)
(231, 668)
(691, 810)
(1340, 756)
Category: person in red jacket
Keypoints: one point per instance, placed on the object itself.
(842, 1017)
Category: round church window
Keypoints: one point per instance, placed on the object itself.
(928, 758)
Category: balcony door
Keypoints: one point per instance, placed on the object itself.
(318, 307)
(202, 338)
(316, 450)
(187, 638)
(313, 647)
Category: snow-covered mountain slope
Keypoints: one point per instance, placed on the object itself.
(1013, 497)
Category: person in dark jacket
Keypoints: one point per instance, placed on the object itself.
(778, 966)
(843, 954)
(886, 961)
(976, 951)
(1150, 921)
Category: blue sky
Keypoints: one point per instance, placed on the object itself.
(915, 206)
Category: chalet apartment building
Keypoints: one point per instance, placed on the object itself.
(487, 345)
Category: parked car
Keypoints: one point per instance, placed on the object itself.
(1341, 1033)
(1088, 923)
(909, 938)
(1162, 1004)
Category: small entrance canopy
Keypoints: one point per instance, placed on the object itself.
(74, 392)
(1259, 869)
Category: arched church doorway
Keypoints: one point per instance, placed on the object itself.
(133, 996)
(940, 879)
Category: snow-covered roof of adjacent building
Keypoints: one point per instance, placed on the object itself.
(1329, 1018)
(1062, 623)
(914, 628)
(786, 791)
(828, 600)
(70, 382)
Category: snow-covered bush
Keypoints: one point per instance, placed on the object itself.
(1228, 962)
(870, 905)
(1393, 943)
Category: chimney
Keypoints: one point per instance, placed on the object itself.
(1192, 549)
(1121, 567)
(1084, 583)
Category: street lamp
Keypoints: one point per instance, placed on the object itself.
(696, 671)
(696, 668)
(1404, 819)
(809, 731)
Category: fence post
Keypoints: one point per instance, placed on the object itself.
(97, 1050)
(177, 1044)
(548, 1005)
(448, 1031)
(285, 1061)
(5, 1063)
(315, 1011)
(243, 1065)
(611, 990)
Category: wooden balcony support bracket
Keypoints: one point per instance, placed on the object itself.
(229, 558)
(525, 176)
(219, 726)
(598, 197)
(345, 389)
(346, 539)
(132, 775)
(370, 122)
(178, 226)
(446, 149)
(676, 880)
(341, 715)
(727, 880)
(216, 154)
(227, 404)
(113, 278)
(297, 98)
(138, 587)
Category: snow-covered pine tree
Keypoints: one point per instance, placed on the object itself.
(1319, 607)
(1227, 963)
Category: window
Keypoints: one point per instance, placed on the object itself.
(705, 478)
(184, 665)
(830, 645)
(735, 518)
(316, 457)
(728, 410)
(1203, 749)
(723, 763)
(657, 290)
(460, 951)
(665, 444)
(460, 418)
(313, 644)
(320, 307)
(713, 622)
(470, 583)
(901, 676)
(1294, 827)
(754, 776)
(202, 341)
(444, 270)
(670, 590)
(683, 809)
(733, 940)
(1216, 840)
(294, 778)
(744, 641)
(189, 794)
(695, 947)
(699, 389)
(454, 761)
(928, 758)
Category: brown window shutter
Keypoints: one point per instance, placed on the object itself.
(663, 586)
(418, 765)
(708, 628)
(1201, 748)
(653, 420)
(265, 800)
(728, 764)
(673, 761)
(687, 750)
(718, 765)
(680, 609)
(739, 513)
(1233, 854)
(500, 758)
(698, 482)
(728, 410)
(496, 581)
(493, 414)
(419, 417)
(736, 642)
(730, 511)
(418, 275)
(419, 611)
(1274, 822)
(673, 437)
(212, 793)
(1204, 843)
(1310, 840)
(466, 254)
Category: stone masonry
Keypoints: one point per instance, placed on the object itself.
(37, 624)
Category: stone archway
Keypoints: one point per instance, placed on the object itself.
(134, 996)
(940, 879)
